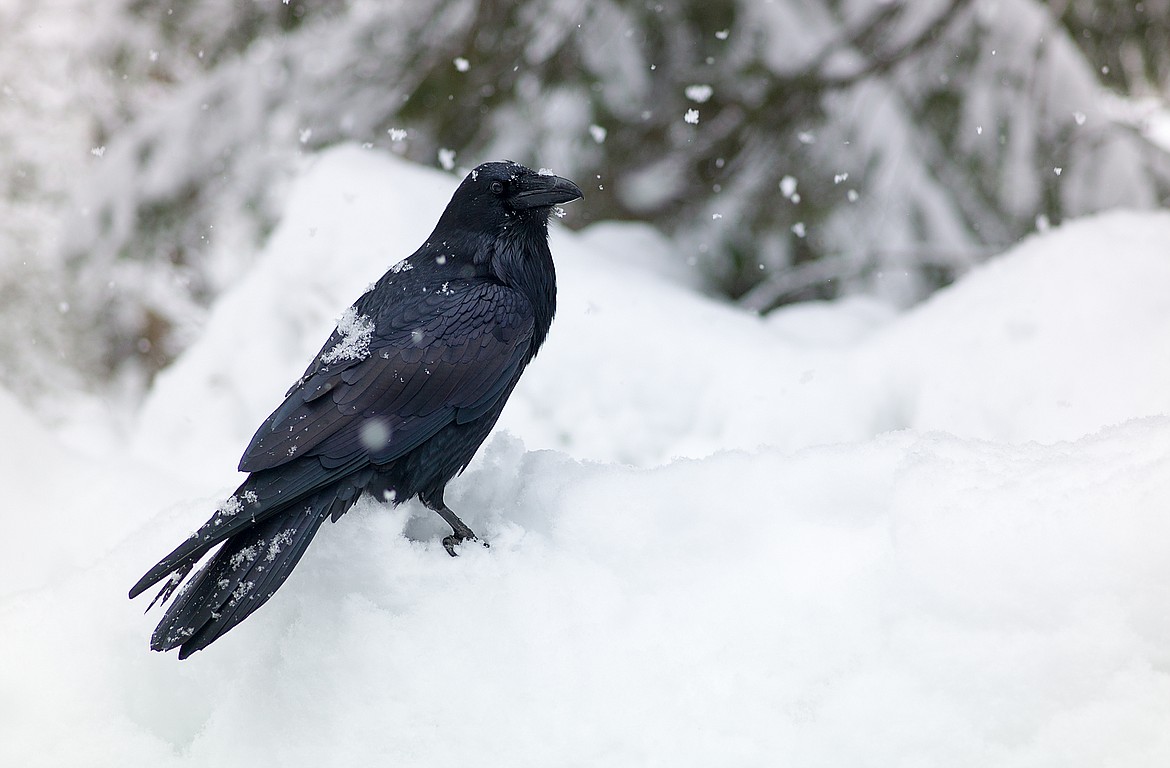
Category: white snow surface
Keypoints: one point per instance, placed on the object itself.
(837, 536)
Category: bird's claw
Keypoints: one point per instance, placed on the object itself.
(452, 541)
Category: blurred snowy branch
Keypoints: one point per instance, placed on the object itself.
(795, 150)
(810, 275)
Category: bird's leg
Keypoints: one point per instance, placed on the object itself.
(460, 531)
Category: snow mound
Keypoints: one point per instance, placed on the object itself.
(1064, 335)
(834, 536)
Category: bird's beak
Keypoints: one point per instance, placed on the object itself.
(538, 191)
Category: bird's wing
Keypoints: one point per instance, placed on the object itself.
(387, 382)
(383, 384)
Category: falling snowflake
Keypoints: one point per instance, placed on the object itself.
(692, 116)
(699, 93)
(374, 434)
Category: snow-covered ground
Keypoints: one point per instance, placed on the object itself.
(838, 536)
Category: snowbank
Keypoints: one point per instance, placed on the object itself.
(1067, 334)
(835, 536)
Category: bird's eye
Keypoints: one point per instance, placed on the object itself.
(497, 188)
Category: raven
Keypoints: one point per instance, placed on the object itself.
(394, 405)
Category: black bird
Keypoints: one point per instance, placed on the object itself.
(395, 404)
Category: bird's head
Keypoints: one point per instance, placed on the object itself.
(497, 194)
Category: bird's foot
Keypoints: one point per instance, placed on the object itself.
(454, 540)
(459, 530)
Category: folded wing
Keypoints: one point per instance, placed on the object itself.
(416, 376)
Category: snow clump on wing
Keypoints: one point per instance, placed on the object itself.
(354, 344)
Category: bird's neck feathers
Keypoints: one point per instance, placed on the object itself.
(521, 260)
(516, 254)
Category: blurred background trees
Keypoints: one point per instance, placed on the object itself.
(792, 149)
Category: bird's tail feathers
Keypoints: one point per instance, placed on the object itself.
(262, 496)
(241, 576)
(242, 510)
